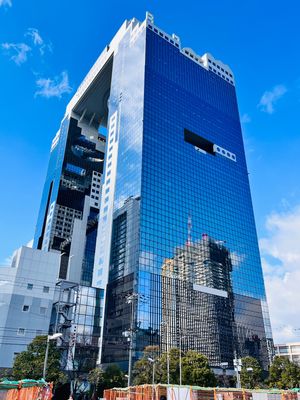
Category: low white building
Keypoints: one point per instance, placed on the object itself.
(289, 350)
(26, 297)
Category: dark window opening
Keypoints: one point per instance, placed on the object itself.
(199, 141)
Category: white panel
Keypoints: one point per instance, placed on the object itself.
(209, 290)
(225, 153)
(55, 141)
(102, 253)
(179, 393)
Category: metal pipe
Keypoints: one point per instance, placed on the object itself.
(153, 381)
(53, 337)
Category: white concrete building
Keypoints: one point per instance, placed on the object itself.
(289, 350)
(26, 297)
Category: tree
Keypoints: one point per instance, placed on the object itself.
(95, 377)
(196, 370)
(5, 374)
(29, 364)
(143, 368)
(174, 360)
(112, 376)
(251, 379)
(283, 374)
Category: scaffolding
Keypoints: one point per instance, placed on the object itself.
(64, 321)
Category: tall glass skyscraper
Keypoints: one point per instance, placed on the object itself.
(176, 257)
(176, 224)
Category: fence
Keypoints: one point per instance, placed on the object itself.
(25, 390)
(174, 392)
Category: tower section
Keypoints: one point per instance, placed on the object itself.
(176, 217)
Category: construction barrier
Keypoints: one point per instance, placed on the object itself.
(26, 389)
(175, 392)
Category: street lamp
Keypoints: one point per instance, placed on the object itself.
(153, 376)
(224, 366)
(49, 337)
(132, 299)
(250, 372)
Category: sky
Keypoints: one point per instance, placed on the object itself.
(46, 49)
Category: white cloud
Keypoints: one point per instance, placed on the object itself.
(55, 87)
(38, 41)
(35, 36)
(281, 263)
(5, 3)
(269, 98)
(245, 119)
(18, 50)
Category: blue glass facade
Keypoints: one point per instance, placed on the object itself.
(52, 181)
(180, 183)
(74, 172)
(68, 222)
(176, 227)
(178, 151)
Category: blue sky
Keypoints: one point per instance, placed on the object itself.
(47, 47)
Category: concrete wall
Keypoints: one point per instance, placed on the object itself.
(26, 297)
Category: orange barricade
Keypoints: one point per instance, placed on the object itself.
(41, 392)
(12, 394)
(173, 392)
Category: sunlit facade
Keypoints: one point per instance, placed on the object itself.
(160, 208)
(175, 149)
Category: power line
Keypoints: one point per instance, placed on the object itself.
(25, 281)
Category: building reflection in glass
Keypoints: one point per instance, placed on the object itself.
(197, 300)
(176, 149)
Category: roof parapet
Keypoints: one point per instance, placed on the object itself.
(206, 61)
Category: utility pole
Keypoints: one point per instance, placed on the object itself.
(168, 355)
(131, 299)
(237, 362)
(180, 359)
(153, 376)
